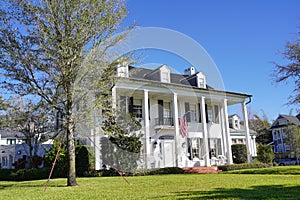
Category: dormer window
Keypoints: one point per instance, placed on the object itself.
(122, 70)
(165, 77)
(236, 124)
(201, 83)
(201, 80)
(165, 74)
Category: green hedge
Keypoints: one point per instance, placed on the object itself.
(28, 174)
(139, 172)
(43, 173)
(239, 153)
(243, 166)
(155, 171)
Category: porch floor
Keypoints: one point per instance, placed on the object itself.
(201, 170)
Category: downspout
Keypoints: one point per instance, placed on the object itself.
(249, 100)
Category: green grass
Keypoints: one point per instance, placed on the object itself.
(291, 170)
(208, 186)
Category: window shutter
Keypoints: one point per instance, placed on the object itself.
(206, 114)
(160, 112)
(130, 105)
(199, 111)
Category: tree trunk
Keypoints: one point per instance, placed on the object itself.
(71, 152)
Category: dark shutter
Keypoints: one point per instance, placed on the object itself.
(199, 111)
(130, 105)
(206, 114)
(187, 111)
(160, 112)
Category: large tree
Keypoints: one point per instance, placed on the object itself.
(290, 71)
(261, 125)
(292, 139)
(43, 52)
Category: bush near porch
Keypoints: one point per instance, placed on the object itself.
(232, 167)
(239, 153)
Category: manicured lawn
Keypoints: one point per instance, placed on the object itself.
(209, 186)
(291, 170)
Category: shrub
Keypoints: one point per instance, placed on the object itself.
(24, 174)
(61, 165)
(156, 171)
(36, 161)
(20, 163)
(139, 172)
(82, 160)
(265, 153)
(243, 166)
(239, 153)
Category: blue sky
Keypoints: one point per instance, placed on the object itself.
(242, 37)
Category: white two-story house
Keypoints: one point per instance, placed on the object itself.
(162, 100)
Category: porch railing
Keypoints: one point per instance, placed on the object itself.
(164, 121)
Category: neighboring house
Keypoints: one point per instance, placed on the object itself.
(14, 145)
(278, 132)
(11, 137)
(237, 133)
(164, 101)
(11, 153)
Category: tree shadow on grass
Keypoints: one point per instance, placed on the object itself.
(254, 192)
(29, 185)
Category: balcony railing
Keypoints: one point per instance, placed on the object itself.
(164, 121)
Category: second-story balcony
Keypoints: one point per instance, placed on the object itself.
(165, 121)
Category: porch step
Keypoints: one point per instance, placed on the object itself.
(201, 170)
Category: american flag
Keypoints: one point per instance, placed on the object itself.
(183, 126)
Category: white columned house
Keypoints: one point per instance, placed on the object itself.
(162, 100)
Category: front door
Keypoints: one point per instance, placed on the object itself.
(168, 153)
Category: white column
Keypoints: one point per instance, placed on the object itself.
(205, 133)
(176, 128)
(97, 147)
(227, 133)
(114, 97)
(223, 124)
(253, 140)
(147, 128)
(247, 133)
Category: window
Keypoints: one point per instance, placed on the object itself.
(236, 124)
(201, 83)
(193, 114)
(209, 113)
(137, 108)
(167, 110)
(122, 104)
(165, 77)
(215, 147)
(11, 141)
(195, 148)
(4, 161)
(187, 111)
(216, 114)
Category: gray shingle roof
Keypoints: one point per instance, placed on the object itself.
(11, 134)
(289, 118)
(141, 73)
